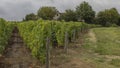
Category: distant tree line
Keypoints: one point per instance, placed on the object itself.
(83, 12)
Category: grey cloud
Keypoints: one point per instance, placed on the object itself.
(17, 9)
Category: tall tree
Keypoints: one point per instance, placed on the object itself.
(119, 21)
(47, 13)
(85, 12)
(31, 16)
(108, 17)
(69, 15)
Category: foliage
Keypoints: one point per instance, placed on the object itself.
(5, 33)
(35, 33)
(108, 17)
(118, 21)
(47, 13)
(69, 15)
(31, 16)
(85, 12)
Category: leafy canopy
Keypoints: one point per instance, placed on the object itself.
(108, 17)
(47, 13)
(85, 12)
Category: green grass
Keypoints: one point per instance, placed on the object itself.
(100, 49)
(107, 43)
(115, 62)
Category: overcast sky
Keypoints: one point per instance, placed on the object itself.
(17, 9)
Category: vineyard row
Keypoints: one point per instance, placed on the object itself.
(34, 34)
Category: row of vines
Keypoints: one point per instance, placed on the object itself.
(34, 34)
(5, 33)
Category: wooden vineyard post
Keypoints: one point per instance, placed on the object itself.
(66, 42)
(47, 53)
(74, 35)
